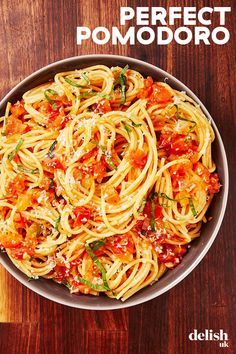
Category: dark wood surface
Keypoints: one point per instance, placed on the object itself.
(35, 33)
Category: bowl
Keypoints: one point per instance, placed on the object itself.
(199, 247)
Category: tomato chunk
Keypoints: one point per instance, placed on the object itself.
(171, 255)
(177, 144)
(18, 185)
(155, 92)
(82, 215)
(103, 106)
(54, 163)
(138, 158)
(211, 179)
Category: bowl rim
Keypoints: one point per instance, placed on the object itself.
(118, 304)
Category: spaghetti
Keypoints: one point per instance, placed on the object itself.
(105, 179)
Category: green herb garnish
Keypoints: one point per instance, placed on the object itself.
(99, 265)
(110, 162)
(194, 211)
(67, 284)
(98, 244)
(15, 151)
(91, 285)
(185, 120)
(127, 127)
(26, 170)
(51, 149)
(102, 147)
(57, 223)
(136, 124)
(123, 79)
(73, 83)
(85, 77)
(152, 221)
(51, 101)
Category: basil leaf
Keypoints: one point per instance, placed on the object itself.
(194, 211)
(25, 170)
(85, 77)
(91, 285)
(110, 163)
(51, 149)
(15, 151)
(127, 127)
(99, 265)
(73, 83)
(98, 244)
(51, 101)
(57, 223)
(136, 124)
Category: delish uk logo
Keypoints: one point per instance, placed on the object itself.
(210, 335)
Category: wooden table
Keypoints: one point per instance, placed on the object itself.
(35, 33)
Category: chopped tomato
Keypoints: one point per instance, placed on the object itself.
(20, 221)
(157, 211)
(177, 144)
(155, 92)
(138, 158)
(147, 90)
(120, 245)
(18, 185)
(159, 94)
(112, 195)
(89, 154)
(15, 126)
(177, 177)
(18, 109)
(54, 163)
(19, 252)
(82, 215)
(103, 106)
(61, 272)
(211, 179)
(171, 255)
(100, 168)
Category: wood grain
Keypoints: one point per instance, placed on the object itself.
(35, 33)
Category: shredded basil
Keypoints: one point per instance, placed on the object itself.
(136, 124)
(57, 223)
(98, 244)
(194, 211)
(15, 151)
(73, 83)
(31, 279)
(185, 120)
(52, 102)
(67, 284)
(123, 79)
(164, 195)
(51, 149)
(25, 170)
(85, 77)
(127, 127)
(152, 221)
(110, 163)
(99, 265)
(102, 147)
(91, 285)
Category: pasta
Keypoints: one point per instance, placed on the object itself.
(105, 179)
